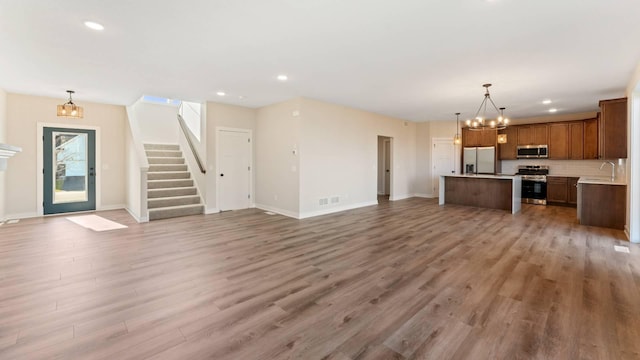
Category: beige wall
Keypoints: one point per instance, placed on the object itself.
(24, 112)
(423, 160)
(277, 167)
(338, 156)
(3, 131)
(228, 116)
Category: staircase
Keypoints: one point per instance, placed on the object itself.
(170, 189)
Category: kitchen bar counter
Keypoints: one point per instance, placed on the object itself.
(487, 191)
(601, 180)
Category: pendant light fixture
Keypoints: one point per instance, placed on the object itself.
(69, 109)
(481, 122)
(457, 139)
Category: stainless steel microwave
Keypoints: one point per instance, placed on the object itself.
(533, 151)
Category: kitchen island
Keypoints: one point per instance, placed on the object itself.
(487, 191)
(602, 201)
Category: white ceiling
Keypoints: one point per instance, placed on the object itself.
(413, 59)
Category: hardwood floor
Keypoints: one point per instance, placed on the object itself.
(403, 280)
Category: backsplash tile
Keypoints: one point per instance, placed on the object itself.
(572, 168)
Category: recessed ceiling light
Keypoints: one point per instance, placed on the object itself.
(283, 77)
(221, 93)
(546, 101)
(552, 110)
(242, 97)
(93, 25)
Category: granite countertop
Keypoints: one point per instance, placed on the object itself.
(602, 180)
(485, 176)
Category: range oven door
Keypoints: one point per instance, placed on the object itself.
(534, 192)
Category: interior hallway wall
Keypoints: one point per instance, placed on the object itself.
(3, 132)
(227, 116)
(24, 112)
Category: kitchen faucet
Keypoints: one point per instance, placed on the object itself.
(613, 168)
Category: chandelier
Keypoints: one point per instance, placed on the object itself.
(481, 122)
(69, 109)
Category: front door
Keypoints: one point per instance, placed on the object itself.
(69, 170)
(234, 170)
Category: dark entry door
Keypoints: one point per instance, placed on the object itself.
(69, 170)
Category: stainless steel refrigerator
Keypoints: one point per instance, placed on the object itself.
(479, 160)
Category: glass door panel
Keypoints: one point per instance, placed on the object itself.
(69, 170)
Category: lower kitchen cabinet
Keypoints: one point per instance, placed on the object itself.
(603, 205)
(562, 190)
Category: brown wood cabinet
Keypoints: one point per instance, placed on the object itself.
(557, 189)
(536, 134)
(508, 151)
(576, 140)
(590, 139)
(573, 190)
(558, 141)
(603, 205)
(479, 137)
(562, 190)
(613, 129)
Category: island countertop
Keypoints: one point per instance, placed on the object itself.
(499, 191)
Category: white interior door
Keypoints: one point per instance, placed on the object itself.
(443, 160)
(234, 170)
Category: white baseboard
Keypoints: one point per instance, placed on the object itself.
(399, 197)
(421, 195)
(22, 216)
(140, 219)
(111, 207)
(208, 211)
(337, 209)
(276, 210)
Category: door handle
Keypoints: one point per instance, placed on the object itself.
(221, 174)
(387, 170)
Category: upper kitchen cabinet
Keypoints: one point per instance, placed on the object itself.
(566, 140)
(590, 139)
(508, 151)
(471, 138)
(558, 141)
(576, 140)
(613, 129)
(536, 134)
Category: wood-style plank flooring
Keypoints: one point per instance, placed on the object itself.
(402, 280)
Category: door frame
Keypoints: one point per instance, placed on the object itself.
(391, 168)
(219, 129)
(456, 151)
(386, 144)
(40, 164)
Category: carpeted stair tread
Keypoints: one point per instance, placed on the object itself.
(175, 211)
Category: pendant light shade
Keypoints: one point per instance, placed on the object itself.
(69, 109)
(457, 139)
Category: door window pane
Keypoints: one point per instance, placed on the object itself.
(69, 167)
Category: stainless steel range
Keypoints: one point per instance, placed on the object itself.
(534, 183)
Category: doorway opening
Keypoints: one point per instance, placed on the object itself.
(385, 168)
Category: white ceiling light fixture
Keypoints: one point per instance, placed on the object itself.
(481, 122)
(221, 93)
(552, 110)
(546, 101)
(69, 109)
(94, 25)
(283, 77)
